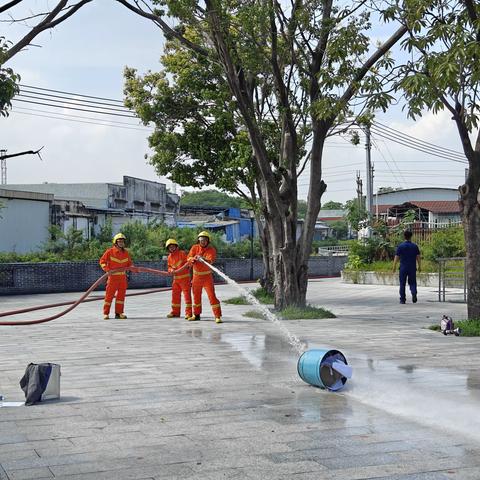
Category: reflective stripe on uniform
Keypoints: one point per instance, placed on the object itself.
(216, 305)
(195, 272)
(178, 277)
(119, 260)
(119, 301)
(118, 273)
(108, 303)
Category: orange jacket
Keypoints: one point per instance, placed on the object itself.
(176, 260)
(115, 257)
(208, 253)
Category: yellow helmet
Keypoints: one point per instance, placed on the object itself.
(171, 241)
(118, 236)
(203, 234)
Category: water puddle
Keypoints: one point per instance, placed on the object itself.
(293, 340)
(437, 398)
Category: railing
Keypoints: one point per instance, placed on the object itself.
(336, 250)
(452, 273)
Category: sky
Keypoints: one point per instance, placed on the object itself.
(87, 54)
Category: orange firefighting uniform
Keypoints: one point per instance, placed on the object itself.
(181, 283)
(115, 257)
(203, 278)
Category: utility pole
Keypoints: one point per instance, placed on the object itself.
(3, 164)
(369, 169)
(359, 191)
(4, 156)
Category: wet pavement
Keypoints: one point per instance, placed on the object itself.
(156, 398)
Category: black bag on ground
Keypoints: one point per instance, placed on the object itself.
(34, 381)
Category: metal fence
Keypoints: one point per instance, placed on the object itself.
(452, 279)
(333, 250)
(422, 231)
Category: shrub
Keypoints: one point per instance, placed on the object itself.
(445, 243)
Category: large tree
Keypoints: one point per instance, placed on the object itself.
(443, 73)
(294, 73)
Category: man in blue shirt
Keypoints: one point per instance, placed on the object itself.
(409, 255)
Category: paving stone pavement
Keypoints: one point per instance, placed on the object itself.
(157, 398)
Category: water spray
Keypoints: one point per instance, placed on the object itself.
(318, 367)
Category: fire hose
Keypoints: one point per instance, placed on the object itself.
(83, 298)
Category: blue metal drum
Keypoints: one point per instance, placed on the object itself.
(315, 367)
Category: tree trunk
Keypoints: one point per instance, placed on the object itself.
(267, 281)
(471, 228)
(289, 276)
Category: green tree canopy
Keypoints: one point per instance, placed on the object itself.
(443, 73)
(333, 206)
(248, 94)
(212, 198)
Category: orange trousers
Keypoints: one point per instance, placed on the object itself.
(116, 287)
(178, 287)
(199, 283)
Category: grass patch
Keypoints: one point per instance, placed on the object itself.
(237, 301)
(298, 313)
(294, 313)
(470, 328)
(254, 314)
(260, 294)
(263, 296)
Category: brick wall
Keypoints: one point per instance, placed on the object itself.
(29, 278)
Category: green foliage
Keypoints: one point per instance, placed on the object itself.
(355, 213)
(302, 208)
(236, 301)
(308, 312)
(367, 251)
(294, 313)
(445, 244)
(144, 242)
(212, 198)
(8, 81)
(340, 228)
(254, 314)
(332, 206)
(263, 296)
(470, 328)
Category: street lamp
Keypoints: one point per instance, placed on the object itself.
(252, 218)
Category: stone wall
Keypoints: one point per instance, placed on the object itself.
(386, 278)
(30, 278)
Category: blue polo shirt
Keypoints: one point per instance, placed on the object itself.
(408, 251)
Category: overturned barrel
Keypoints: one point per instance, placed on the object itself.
(324, 368)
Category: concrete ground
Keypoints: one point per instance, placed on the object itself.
(156, 398)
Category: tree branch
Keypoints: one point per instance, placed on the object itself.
(8, 5)
(47, 23)
(167, 30)
(365, 68)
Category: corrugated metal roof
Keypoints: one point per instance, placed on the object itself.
(434, 206)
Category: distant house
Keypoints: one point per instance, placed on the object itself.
(432, 206)
(24, 220)
(234, 224)
(88, 206)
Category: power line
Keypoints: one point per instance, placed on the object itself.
(78, 103)
(73, 118)
(74, 108)
(69, 93)
(92, 106)
(398, 132)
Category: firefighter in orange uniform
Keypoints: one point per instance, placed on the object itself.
(116, 257)
(203, 276)
(181, 281)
